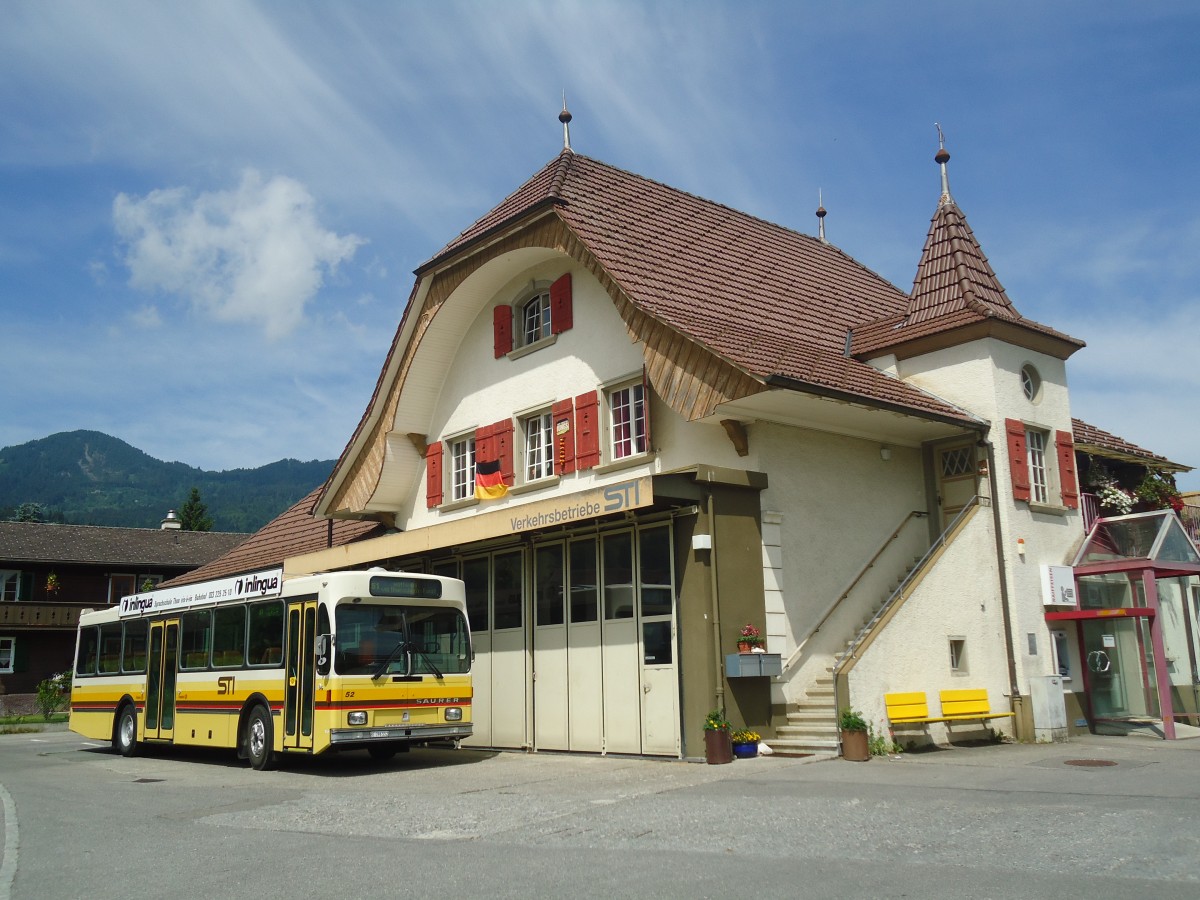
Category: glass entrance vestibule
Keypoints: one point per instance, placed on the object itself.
(1137, 621)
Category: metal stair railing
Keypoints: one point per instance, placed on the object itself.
(854, 644)
(832, 607)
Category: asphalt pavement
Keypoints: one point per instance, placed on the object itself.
(1095, 816)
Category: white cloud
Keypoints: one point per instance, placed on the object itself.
(147, 317)
(252, 254)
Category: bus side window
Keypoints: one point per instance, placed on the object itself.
(110, 648)
(133, 653)
(265, 639)
(89, 645)
(195, 639)
(229, 636)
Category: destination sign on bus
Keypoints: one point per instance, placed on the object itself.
(243, 587)
(414, 588)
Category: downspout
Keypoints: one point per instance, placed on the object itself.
(1014, 688)
(719, 687)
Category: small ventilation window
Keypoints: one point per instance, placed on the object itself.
(958, 655)
(1031, 383)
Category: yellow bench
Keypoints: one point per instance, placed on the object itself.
(963, 704)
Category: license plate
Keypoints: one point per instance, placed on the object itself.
(382, 734)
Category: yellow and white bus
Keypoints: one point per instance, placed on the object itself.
(344, 660)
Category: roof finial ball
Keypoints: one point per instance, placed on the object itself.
(941, 158)
(821, 218)
(565, 118)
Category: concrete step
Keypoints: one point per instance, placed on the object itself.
(823, 748)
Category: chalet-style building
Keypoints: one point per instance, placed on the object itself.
(48, 573)
(634, 421)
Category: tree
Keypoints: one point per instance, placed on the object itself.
(194, 514)
(30, 512)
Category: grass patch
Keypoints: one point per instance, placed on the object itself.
(20, 729)
(33, 719)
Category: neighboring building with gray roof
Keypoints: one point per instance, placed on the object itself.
(48, 573)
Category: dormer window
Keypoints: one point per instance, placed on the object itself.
(533, 319)
(535, 314)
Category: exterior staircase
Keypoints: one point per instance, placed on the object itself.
(811, 727)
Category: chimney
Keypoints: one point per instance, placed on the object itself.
(171, 522)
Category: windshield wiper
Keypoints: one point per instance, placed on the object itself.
(436, 672)
(396, 651)
(387, 660)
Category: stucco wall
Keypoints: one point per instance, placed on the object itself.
(835, 502)
(597, 350)
(958, 598)
(985, 377)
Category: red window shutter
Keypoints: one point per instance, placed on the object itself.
(433, 474)
(502, 325)
(561, 317)
(1018, 462)
(502, 440)
(587, 421)
(1066, 469)
(646, 408)
(564, 437)
(485, 447)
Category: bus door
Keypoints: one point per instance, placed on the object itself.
(301, 657)
(160, 680)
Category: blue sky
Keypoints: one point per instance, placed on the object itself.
(212, 211)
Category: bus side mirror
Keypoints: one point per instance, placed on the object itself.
(324, 644)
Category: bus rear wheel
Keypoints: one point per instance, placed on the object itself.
(260, 739)
(125, 732)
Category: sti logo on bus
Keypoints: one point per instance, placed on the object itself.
(256, 585)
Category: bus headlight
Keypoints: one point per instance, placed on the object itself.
(453, 713)
(358, 717)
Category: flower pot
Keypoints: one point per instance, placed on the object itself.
(717, 748)
(743, 646)
(855, 747)
(745, 750)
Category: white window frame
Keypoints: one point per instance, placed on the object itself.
(10, 577)
(1031, 383)
(958, 655)
(534, 314)
(461, 470)
(9, 645)
(1039, 472)
(538, 439)
(627, 420)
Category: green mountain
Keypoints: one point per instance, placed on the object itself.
(91, 478)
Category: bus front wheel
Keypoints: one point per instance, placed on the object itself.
(125, 734)
(260, 740)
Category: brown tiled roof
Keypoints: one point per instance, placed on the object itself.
(91, 544)
(292, 532)
(954, 287)
(769, 300)
(1089, 438)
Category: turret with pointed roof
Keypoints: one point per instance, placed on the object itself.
(956, 296)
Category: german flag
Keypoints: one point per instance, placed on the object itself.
(489, 483)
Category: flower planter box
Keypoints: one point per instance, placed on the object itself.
(855, 746)
(717, 748)
(745, 751)
(753, 665)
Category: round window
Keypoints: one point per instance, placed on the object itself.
(1031, 383)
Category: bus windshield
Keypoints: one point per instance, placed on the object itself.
(377, 639)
